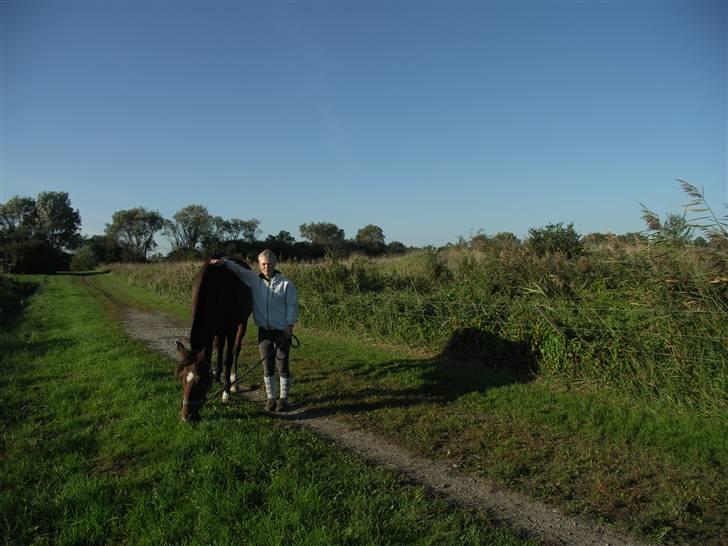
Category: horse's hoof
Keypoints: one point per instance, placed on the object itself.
(234, 388)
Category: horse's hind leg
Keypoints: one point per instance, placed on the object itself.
(219, 341)
(228, 361)
(236, 353)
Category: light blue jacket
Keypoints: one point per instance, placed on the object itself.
(275, 302)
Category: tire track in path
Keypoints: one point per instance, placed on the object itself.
(532, 518)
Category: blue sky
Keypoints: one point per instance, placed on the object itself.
(430, 119)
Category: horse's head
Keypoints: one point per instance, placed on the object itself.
(194, 374)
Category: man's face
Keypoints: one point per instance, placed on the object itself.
(267, 267)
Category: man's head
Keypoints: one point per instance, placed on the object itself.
(267, 263)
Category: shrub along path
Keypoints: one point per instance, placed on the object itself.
(535, 519)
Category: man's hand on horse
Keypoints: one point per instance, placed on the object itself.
(288, 332)
(216, 261)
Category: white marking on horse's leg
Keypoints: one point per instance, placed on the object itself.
(225, 397)
(191, 377)
(233, 378)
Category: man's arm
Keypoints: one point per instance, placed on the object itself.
(248, 277)
(291, 308)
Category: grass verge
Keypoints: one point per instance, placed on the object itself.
(93, 453)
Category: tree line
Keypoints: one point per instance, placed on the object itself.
(43, 235)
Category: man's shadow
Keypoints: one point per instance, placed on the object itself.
(472, 361)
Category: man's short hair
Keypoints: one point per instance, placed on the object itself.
(269, 255)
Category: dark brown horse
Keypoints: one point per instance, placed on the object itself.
(221, 305)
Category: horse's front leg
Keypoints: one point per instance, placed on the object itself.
(228, 361)
(219, 340)
(205, 370)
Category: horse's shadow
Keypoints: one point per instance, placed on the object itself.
(472, 361)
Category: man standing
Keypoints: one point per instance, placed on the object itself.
(275, 311)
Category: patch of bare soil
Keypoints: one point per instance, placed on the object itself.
(532, 518)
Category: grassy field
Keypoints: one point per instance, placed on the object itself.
(93, 451)
(648, 465)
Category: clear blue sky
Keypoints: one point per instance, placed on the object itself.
(429, 119)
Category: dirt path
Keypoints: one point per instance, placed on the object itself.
(532, 518)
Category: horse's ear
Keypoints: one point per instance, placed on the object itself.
(181, 349)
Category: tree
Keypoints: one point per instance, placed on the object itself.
(213, 239)
(247, 230)
(34, 232)
(284, 238)
(676, 230)
(84, 259)
(191, 226)
(106, 249)
(134, 230)
(322, 233)
(396, 247)
(555, 238)
(19, 214)
(58, 222)
(371, 236)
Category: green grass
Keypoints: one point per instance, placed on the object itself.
(647, 321)
(646, 466)
(656, 472)
(93, 452)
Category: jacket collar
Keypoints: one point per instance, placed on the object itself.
(275, 272)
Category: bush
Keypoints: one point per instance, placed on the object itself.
(556, 238)
(31, 256)
(84, 259)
